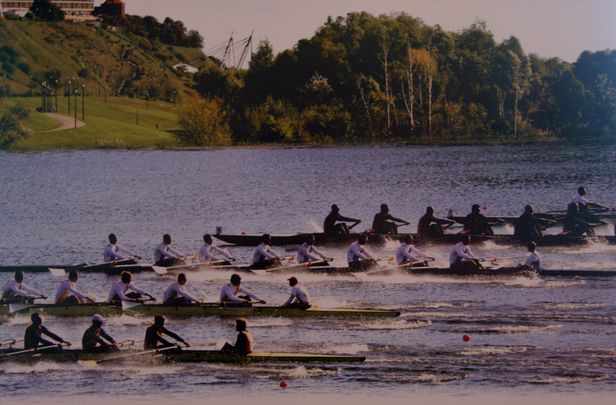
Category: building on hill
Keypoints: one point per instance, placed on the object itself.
(114, 8)
(74, 10)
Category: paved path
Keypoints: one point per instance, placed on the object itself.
(66, 122)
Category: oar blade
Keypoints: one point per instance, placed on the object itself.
(57, 272)
(130, 305)
(17, 308)
(159, 270)
(91, 364)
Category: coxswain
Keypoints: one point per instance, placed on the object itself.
(335, 224)
(118, 291)
(431, 227)
(574, 224)
(408, 254)
(357, 255)
(307, 253)
(229, 292)
(207, 251)
(264, 256)
(96, 340)
(299, 296)
(477, 224)
(17, 291)
(533, 260)
(154, 335)
(176, 294)
(167, 256)
(32, 337)
(462, 258)
(244, 343)
(526, 227)
(114, 252)
(386, 224)
(68, 294)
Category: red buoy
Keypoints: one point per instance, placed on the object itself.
(466, 338)
(283, 384)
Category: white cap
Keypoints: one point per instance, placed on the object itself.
(97, 317)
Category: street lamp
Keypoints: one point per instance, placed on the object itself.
(69, 97)
(56, 90)
(83, 101)
(76, 94)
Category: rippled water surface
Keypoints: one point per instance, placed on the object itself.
(545, 335)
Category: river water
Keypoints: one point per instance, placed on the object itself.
(540, 336)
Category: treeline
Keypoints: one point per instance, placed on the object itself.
(386, 78)
(169, 32)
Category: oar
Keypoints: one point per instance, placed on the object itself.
(128, 305)
(37, 349)
(285, 268)
(159, 270)
(57, 272)
(18, 307)
(10, 342)
(95, 363)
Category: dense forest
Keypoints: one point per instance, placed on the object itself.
(365, 78)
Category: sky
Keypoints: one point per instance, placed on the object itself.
(549, 28)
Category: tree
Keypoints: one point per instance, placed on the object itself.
(203, 123)
(12, 127)
(47, 11)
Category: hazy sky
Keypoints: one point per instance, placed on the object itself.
(561, 28)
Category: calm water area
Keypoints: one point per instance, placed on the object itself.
(531, 335)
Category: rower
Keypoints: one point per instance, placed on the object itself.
(264, 256)
(206, 253)
(32, 337)
(244, 342)
(299, 296)
(357, 255)
(533, 260)
(431, 227)
(307, 253)
(331, 228)
(112, 251)
(18, 291)
(118, 291)
(385, 224)
(68, 294)
(175, 294)
(583, 203)
(228, 293)
(409, 255)
(96, 340)
(477, 224)
(153, 335)
(167, 256)
(526, 227)
(573, 224)
(461, 257)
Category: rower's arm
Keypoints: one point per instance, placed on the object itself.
(173, 335)
(402, 221)
(419, 253)
(113, 254)
(223, 252)
(318, 253)
(226, 296)
(105, 336)
(52, 335)
(441, 221)
(174, 252)
(364, 254)
(28, 290)
(187, 295)
(127, 251)
(346, 219)
(77, 293)
(250, 294)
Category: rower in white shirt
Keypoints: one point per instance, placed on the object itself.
(112, 251)
(533, 260)
(408, 254)
(357, 255)
(67, 292)
(462, 258)
(308, 253)
(206, 253)
(18, 291)
(165, 255)
(264, 256)
(118, 291)
(299, 296)
(229, 292)
(176, 294)
(583, 203)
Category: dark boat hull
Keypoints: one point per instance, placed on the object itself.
(108, 268)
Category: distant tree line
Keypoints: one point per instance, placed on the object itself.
(169, 32)
(386, 78)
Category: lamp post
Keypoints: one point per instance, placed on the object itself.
(83, 101)
(56, 90)
(69, 97)
(76, 94)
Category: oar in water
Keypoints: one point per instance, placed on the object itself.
(18, 307)
(95, 363)
(37, 349)
(57, 272)
(127, 305)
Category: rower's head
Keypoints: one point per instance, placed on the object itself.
(167, 239)
(159, 321)
(429, 210)
(207, 238)
(113, 239)
(182, 278)
(293, 281)
(335, 208)
(384, 208)
(362, 239)
(581, 191)
(531, 246)
(36, 319)
(408, 239)
(73, 276)
(19, 276)
(126, 277)
(528, 209)
(236, 279)
(97, 320)
(465, 238)
(310, 239)
(240, 324)
(266, 238)
(476, 209)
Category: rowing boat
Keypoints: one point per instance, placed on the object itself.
(206, 309)
(111, 268)
(181, 356)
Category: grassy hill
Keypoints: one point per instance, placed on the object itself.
(114, 60)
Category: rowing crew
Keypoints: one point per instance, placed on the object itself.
(96, 340)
